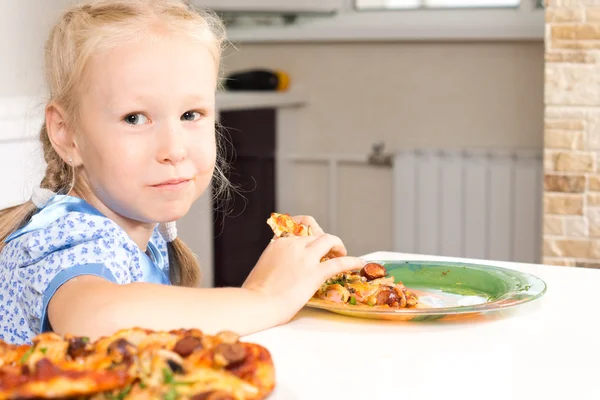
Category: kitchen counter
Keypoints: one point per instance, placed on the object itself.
(229, 101)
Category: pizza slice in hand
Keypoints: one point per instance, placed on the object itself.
(283, 225)
(371, 286)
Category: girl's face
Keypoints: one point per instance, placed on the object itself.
(146, 128)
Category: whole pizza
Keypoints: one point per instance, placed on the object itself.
(137, 364)
(370, 286)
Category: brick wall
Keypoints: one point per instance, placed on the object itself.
(572, 133)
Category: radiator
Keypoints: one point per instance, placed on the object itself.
(484, 204)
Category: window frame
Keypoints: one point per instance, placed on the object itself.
(523, 23)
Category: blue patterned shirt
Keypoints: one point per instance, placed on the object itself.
(65, 239)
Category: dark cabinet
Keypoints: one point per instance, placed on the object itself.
(240, 231)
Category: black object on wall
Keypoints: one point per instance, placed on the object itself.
(257, 80)
(241, 235)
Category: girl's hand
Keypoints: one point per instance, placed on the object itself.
(289, 271)
(309, 221)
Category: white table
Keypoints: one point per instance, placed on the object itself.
(549, 348)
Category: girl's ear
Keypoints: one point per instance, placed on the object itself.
(61, 135)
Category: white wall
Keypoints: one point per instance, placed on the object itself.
(411, 94)
(24, 26)
(419, 94)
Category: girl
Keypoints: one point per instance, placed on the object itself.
(130, 144)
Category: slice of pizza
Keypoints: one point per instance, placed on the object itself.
(194, 364)
(370, 286)
(284, 225)
(137, 364)
(44, 370)
(187, 364)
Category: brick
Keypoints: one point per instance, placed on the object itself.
(576, 44)
(575, 32)
(550, 249)
(549, 4)
(594, 230)
(584, 264)
(593, 199)
(564, 15)
(592, 140)
(563, 204)
(564, 124)
(554, 226)
(594, 182)
(564, 183)
(592, 14)
(577, 227)
(577, 57)
(572, 84)
(593, 215)
(574, 248)
(592, 131)
(575, 162)
(549, 161)
(555, 139)
(564, 114)
(571, 199)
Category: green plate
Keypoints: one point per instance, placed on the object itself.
(448, 290)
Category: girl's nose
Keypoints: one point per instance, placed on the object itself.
(173, 148)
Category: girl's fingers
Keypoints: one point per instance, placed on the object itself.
(309, 221)
(341, 264)
(327, 244)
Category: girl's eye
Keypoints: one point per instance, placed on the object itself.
(136, 119)
(191, 116)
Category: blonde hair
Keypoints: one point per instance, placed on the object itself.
(84, 30)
